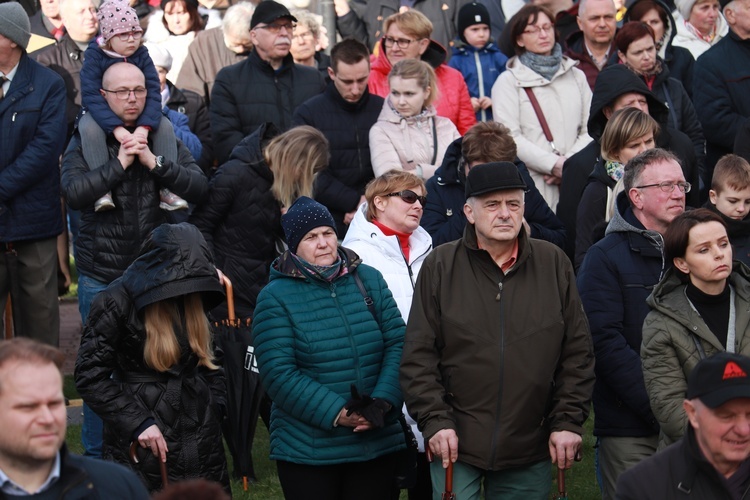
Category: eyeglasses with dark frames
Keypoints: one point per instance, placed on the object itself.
(124, 37)
(668, 187)
(535, 30)
(410, 197)
(124, 94)
(276, 28)
(402, 43)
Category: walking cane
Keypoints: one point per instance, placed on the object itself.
(448, 493)
(162, 465)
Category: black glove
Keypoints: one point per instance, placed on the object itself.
(375, 412)
(357, 403)
(372, 409)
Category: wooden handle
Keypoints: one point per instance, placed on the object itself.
(561, 482)
(162, 465)
(449, 478)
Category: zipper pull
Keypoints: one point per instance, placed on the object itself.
(499, 293)
(333, 289)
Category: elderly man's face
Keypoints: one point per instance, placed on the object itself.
(658, 208)
(238, 41)
(79, 18)
(32, 413)
(723, 433)
(274, 40)
(497, 216)
(125, 79)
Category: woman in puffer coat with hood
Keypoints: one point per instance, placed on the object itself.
(146, 364)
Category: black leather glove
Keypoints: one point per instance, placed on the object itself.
(357, 403)
(375, 412)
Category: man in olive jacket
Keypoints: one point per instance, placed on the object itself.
(498, 366)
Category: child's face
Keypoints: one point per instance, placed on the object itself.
(734, 203)
(477, 35)
(126, 44)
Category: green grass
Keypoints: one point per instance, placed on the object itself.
(580, 481)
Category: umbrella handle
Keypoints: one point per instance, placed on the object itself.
(230, 299)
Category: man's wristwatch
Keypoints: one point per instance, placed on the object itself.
(159, 160)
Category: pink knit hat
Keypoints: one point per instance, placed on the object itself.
(116, 17)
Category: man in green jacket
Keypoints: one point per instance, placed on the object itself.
(498, 366)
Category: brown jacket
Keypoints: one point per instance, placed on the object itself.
(503, 359)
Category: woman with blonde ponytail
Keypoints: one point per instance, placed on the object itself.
(147, 366)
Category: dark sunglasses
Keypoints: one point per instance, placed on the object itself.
(410, 197)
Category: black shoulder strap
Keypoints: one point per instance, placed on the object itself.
(368, 300)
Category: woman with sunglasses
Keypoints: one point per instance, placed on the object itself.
(554, 129)
(329, 360)
(700, 307)
(386, 234)
(408, 134)
(628, 133)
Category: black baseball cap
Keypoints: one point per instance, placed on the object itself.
(491, 177)
(268, 11)
(720, 378)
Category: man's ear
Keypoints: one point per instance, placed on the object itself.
(636, 197)
(331, 73)
(469, 213)
(690, 411)
(104, 94)
(607, 110)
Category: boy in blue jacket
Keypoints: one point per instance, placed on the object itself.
(477, 57)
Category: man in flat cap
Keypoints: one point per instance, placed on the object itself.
(266, 87)
(498, 367)
(32, 137)
(712, 460)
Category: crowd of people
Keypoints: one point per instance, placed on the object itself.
(453, 232)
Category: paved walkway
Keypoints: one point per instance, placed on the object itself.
(70, 333)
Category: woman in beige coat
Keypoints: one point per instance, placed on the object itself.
(562, 92)
(408, 134)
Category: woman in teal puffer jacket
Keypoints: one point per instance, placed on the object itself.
(330, 364)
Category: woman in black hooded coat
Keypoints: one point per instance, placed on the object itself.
(146, 364)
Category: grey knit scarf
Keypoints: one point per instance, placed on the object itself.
(546, 66)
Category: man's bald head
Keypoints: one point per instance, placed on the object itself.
(128, 81)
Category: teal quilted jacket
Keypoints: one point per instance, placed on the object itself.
(313, 340)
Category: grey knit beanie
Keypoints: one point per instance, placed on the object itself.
(14, 24)
(684, 7)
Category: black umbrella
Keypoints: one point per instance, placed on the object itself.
(244, 392)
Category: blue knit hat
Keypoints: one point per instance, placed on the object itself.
(303, 216)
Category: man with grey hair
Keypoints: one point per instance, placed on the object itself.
(594, 46)
(32, 137)
(34, 460)
(495, 392)
(721, 87)
(217, 48)
(615, 278)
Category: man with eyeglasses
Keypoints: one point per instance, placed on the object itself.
(615, 278)
(497, 367)
(266, 87)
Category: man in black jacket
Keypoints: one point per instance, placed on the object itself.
(110, 241)
(34, 460)
(344, 113)
(712, 460)
(265, 87)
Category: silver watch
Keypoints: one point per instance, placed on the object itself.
(159, 160)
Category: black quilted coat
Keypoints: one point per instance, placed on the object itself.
(186, 402)
(241, 220)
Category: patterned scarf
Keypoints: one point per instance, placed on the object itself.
(706, 38)
(323, 273)
(545, 66)
(615, 169)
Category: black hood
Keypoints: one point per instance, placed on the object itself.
(435, 55)
(448, 172)
(612, 82)
(174, 261)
